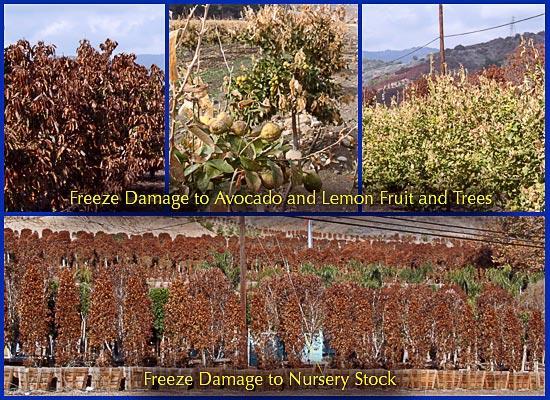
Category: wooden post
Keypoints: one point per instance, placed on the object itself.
(309, 234)
(442, 66)
(295, 133)
(242, 261)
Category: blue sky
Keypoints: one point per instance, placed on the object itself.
(138, 29)
(401, 26)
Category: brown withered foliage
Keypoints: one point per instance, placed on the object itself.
(264, 325)
(33, 312)
(418, 324)
(453, 330)
(13, 272)
(430, 324)
(67, 319)
(519, 65)
(102, 317)
(291, 307)
(401, 326)
(224, 307)
(137, 318)
(369, 97)
(93, 123)
(178, 324)
(499, 326)
(352, 308)
(526, 58)
(535, 336)
(202, 314)
(165, 257)
(528, 230)
(492, 72)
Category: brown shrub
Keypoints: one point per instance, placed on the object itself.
(93, 123)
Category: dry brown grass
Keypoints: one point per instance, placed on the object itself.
(228, 31)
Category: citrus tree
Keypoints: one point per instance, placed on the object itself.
(300, 49)
(235, 148)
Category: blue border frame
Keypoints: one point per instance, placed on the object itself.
(359, 212)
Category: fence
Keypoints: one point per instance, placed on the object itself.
(25, 379)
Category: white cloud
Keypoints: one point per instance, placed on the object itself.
(137, 28)
(400, 26)
(54, 29)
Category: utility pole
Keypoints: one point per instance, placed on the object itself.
(309, 234)
(242, 261)
(443, 65)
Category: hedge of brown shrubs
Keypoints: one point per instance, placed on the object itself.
(92, 123)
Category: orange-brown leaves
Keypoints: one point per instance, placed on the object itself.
(102, 319)
(33, 311)
(67, 319)
(94, 123)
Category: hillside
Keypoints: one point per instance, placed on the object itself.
(390, 55)
(383, 75)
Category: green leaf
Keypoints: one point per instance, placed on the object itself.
(249, 165)
(277, 172)
(236, 143)
(181, 158)
(221, 165)
(212, 172)
(203, 182)
(190, 169)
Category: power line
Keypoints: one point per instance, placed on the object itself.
(415, 50)
(422, 233)
(457, 226)
(431, 229)
(467, 33)
(495, 27)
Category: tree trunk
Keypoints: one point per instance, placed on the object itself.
(295, 133)
(524, 358)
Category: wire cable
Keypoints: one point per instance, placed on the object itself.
(447, 225)
(423, 233)
(415, 50)
(430, 230)
(474, 234)
(494, 27)
(467, 33)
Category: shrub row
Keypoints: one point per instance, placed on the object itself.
(93, 123)
(482, 135)
(164, 253)
(107, 316)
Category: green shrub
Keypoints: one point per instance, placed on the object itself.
(467, 279)
(159, 298)
(327, 273)
(370, 276)
(301, 47)
(481, 137)
(226, 263)
(415, 275)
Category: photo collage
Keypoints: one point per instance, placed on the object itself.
(310, 199)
